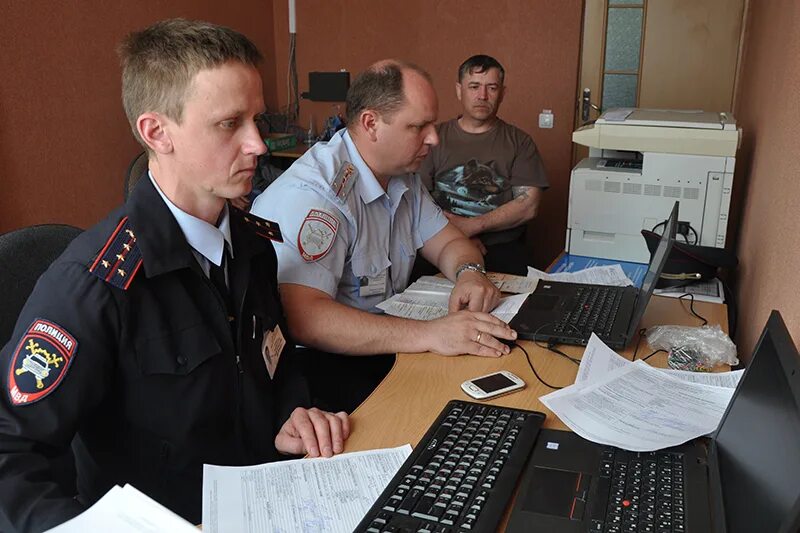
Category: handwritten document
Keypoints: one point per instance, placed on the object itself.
(599, 360)
(320, 495)
(639, 408)
(126, 510)
(599, 275)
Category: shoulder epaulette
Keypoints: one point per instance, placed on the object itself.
(120, 259)
(343, 182)
(262, 227)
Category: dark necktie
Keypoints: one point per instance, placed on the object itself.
(217, 276)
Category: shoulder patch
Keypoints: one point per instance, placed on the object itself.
(344, 180)
(40, 362)
(120, 259)
(316, 235)
(262, 227)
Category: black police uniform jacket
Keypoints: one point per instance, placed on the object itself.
(151, 378)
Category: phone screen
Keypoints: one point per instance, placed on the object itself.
(493, 383)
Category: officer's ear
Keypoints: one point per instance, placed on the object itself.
(153, 130)
(368, 120)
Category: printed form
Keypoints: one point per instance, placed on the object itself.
(639, 408)
(598, 360)
(322, 495)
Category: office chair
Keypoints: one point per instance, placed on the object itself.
(136, 170)
(24, 255)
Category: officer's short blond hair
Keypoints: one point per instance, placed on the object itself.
(160, 62)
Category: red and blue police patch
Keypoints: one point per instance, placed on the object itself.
(40, 362)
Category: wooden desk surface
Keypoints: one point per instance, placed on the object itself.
(408, 400)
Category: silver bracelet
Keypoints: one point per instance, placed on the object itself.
(474, 267)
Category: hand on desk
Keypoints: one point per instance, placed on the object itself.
(467, 332)
(313, 432)
(475, 292)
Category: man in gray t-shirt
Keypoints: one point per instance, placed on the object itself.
(486, 174)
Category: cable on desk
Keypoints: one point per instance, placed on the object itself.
(691, 306)
(652, 354)
(535, 373)
(642, 333)
(550, 346)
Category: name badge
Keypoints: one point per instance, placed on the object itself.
(372, 285)
(271, 349)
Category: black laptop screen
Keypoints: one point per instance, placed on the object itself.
(657, 263)
(758, 442)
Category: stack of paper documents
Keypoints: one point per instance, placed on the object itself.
(637, 407)
(427, 298)
(598, 275)
(321, 495)
(126, 510)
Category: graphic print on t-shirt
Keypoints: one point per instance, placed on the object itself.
(471, 189)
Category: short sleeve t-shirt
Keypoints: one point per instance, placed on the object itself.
(470, 174)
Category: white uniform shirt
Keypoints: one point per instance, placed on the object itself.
(343, 234)
(207, 241)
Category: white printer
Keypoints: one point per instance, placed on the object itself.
(640, 161)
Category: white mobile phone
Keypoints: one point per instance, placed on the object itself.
(492, 385)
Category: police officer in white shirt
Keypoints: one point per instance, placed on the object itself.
(354, 214)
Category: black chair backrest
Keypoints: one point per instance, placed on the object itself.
(24, 255)
(135, 171)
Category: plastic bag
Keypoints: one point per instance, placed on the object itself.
(693, 348)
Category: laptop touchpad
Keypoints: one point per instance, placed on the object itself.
(553, 492)
(543, 302)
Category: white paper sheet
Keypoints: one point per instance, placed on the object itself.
(639, 408)
(416, 305)
(509, 306)
(126, 510)
(704, 291)
(599, 275)
(428, 298)
(598, 360)
(513, 284)
(320, 495)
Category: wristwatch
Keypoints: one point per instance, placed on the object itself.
(474, 267)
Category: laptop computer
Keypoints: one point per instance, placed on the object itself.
(745, 478)
(568, 313)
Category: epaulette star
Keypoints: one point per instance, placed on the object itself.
(120, 248)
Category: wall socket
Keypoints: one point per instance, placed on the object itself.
(546, 118)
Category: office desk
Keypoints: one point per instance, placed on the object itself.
(417, 388)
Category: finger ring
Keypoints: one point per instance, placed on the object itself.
(478, 338)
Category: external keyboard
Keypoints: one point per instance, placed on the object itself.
(462, 473)
(645, 492)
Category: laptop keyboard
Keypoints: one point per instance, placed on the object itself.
(593, 310)
(645, 492)
(462, 473)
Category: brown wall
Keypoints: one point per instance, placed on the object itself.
(537, 41)
(767, 177)
(64, 139)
